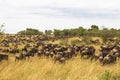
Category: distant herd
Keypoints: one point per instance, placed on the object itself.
(24, 47)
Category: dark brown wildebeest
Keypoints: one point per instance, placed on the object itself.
(40, 53)
(95, 57)
(59, 58)
(25, 49)
(47, 54)
(62, 60)
(52, 53)
(20, 57)
(3, 57)
(104, 51)
(31, 52)
(13, 50)
(89, 51)
(116, 51)
(28, 54)
(109, 59)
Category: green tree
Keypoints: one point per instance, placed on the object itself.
(48, 32)
(66, 32)
(56, 32)
(30, 31)
(94, 27)
(81, 31)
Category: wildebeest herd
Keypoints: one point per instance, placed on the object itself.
(24, 47)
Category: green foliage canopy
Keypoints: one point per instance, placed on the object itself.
(30, 31)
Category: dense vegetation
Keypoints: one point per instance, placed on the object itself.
(93, 31)
(30, 31)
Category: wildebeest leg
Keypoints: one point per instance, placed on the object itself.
(93, 57)
(16, 58)
(82, 55)
(28, 57)
(70, 55)
(75, 54)
(104, 62)
(55, 61)
(88, 56)
(24, 58)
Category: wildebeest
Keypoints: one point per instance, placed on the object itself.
(108, 54)
(89, 51)
(31, 52)
(40, 53)
(109, 59)
(21, 56)
(59, 58)
(3, 57)
(13, 50)
(56, 51)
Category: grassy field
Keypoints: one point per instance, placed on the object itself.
(45, 69)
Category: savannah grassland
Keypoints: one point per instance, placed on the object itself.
(44, 69)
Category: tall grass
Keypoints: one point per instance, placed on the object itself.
(44, 69)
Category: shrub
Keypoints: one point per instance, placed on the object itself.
(106, 76)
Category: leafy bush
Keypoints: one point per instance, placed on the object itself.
(30, 31)
(106, 76)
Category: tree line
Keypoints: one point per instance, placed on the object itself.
(93, 31)
(80, 31)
